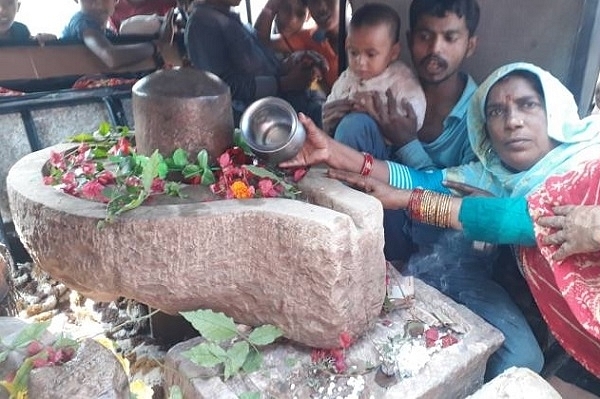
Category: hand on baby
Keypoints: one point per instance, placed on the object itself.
(398, 127)
(577, 229)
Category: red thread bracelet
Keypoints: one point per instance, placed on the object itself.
(367, 166)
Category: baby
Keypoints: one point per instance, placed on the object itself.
(373, 49)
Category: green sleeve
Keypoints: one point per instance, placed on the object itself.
(497, 220)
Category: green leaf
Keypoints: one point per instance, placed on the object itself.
(99, 153)
(249, 395)
(150, 170)
(253, 361)
(3, 356)
(238, 141)
(163, 169)
(191, 170)
(82, 138)
(212, 326)
(180, 157)
(30, 333)
(175, 392)
(174, 189)
(264, 335)
(236, 356)
(206, 354)
(22, 376)
(208, 177)
(203, 159)
(65, 342)
(104, 129)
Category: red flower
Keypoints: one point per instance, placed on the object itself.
(133, 181)
(339, 360)
(224, 160)
(158, 186)
(318, 355)
(299, 174)
(48, 180)
(345, 340)
(123, 147)
(449, 340)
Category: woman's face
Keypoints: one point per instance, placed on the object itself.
(516, 123)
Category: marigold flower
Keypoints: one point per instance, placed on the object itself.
(241, 190)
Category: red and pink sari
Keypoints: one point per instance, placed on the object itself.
(567, 292)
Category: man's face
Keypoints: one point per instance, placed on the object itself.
(8, 10)
(370, 50)
(438, 46)
(100, 9)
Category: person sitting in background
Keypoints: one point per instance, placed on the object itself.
(523, 126)
(128, 8)
(218, 42)
(289, 18)
(16, 32)
(90, 25)
(373, 47)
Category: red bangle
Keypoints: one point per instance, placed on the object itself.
(367, 166)
(414, 204)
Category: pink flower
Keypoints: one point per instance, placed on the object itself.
(158, 186)
(225, 160)
(88, 168)
(133, 181)
(106, 177)
(93, 190)
(69, 179)
(57, 159)
(83, 148)
(48, 180)
(299, 174)
(267, 189)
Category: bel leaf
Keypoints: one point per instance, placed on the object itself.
(208, 177)
(203, 159)
(206, 354)
(249, 395)
(180, 157)
(190, 170)
(30, 333)
(264, 335)
(150, 170)
(212, 326)
(253, 361)
(236, 355)
(262, 172)
(22, 377)
(82, 138)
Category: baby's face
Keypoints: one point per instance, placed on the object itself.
(370, 50)
(8, 10)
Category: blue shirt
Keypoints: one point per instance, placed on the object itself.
(452, 147)
(17, 33)
(81, 22)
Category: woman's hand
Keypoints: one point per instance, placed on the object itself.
(334, 111)
(578, 229)
(396, 127)
(315, 149)
(389, 197)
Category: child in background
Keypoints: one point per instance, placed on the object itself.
(16, 32)
(373, 50)
(290, 18)
(128, 8)
(90, 25)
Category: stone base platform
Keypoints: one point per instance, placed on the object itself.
(287, 372)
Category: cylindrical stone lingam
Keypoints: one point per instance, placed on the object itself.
(182, 108)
